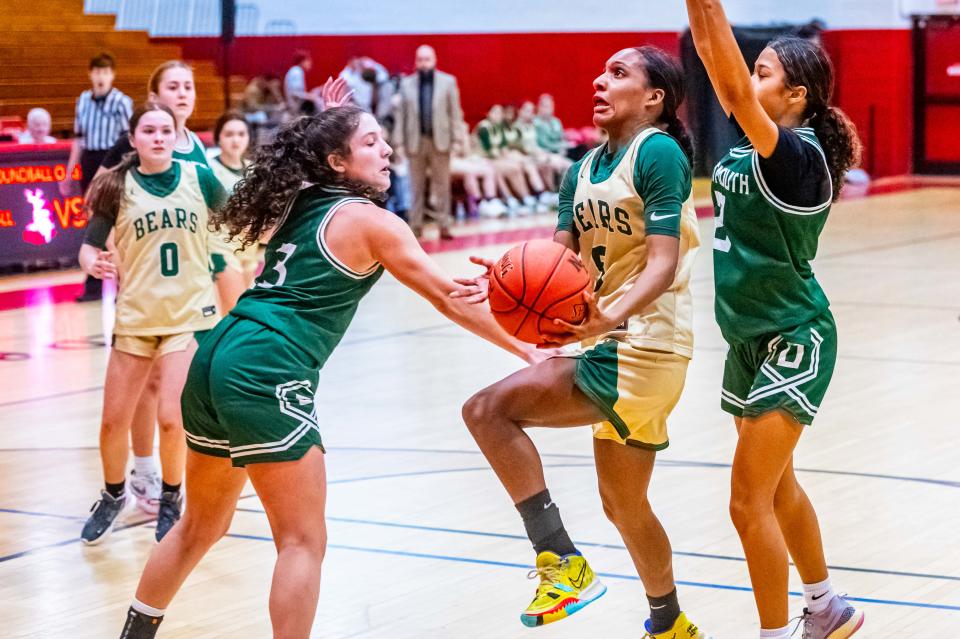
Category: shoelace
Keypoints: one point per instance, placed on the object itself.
(549, 575)
(802, 621)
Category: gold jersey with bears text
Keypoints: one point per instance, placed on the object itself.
(609, 218)
(162, 245)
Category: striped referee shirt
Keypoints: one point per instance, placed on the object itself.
(100, 121)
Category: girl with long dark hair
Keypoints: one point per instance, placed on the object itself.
(772, 194)
(627, 207)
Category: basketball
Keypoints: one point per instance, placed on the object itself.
(535, 283)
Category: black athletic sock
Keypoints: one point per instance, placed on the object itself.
(170, 488)
(541, 518)
(115, 490)
(140, 625)
(663, 612)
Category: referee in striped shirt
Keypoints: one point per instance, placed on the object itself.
(102, 116)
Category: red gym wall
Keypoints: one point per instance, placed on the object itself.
(873, 68)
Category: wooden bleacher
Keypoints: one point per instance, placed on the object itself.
(46, 46)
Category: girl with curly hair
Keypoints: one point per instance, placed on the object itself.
(248, 402)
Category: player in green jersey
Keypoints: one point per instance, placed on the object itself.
(248, 403)
(772, 194)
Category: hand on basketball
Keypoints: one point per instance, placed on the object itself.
(476, 289)
(595, 323)
(103, 267)
(335, 93)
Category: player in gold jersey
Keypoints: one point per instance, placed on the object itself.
(157, 208)
(627, 208)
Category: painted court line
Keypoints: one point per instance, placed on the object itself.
(606, 575)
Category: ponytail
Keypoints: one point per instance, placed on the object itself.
(107, 190)
(840, 142)
(298, 154)
(678, 131)
(806, 63)
(664, 72)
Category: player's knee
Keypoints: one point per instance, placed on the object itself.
(788, 494)
(202, 533)
(748, 506)
(309, 541)
(623, 509)
(476, 410)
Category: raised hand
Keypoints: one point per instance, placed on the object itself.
(335, 93)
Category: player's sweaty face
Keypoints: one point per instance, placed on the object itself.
(369, 160)
(620, 90)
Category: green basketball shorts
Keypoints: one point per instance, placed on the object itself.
(788, 371)
(249, 396)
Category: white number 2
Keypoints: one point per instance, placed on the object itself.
(279, 267)
(720, 243)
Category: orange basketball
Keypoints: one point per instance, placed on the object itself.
(535, 283)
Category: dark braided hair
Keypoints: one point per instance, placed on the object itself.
(664, 72)
(806, 64)
(298, 154)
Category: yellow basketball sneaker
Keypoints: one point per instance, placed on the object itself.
(567, 584)
(682, 629)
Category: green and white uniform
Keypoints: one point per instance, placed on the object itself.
(771, 310)
(612, 202)
(250, 391)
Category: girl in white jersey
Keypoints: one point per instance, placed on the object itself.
(157, 209)
(171, 85)
(627, 208)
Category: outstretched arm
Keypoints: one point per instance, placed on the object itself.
(729, 75)
(393, 245)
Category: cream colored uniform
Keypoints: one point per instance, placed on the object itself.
(240, 260)
(166, 292)
(636, 373)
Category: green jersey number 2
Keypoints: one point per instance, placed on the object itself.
(280, 267)
(720, 243)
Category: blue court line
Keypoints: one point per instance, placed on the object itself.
(665, 462)
(607, 575)
(43, 398)
(14, 511)
(590, 544)
(66, 542)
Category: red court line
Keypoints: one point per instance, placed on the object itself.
(39, 296)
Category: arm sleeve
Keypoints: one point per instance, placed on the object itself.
(456, 111)
(126, 110)
(98, 230)
(663, 180)
(115, 155)
(796, 173)
(213, 192)
(568, 188)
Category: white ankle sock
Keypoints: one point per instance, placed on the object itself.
(818, 595)
(776, 633)
(144, 465)
(144, 609)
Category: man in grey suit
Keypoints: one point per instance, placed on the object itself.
(426, 124)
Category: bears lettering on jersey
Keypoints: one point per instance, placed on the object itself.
(600, 214)
(731, 180)
(156, 220)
